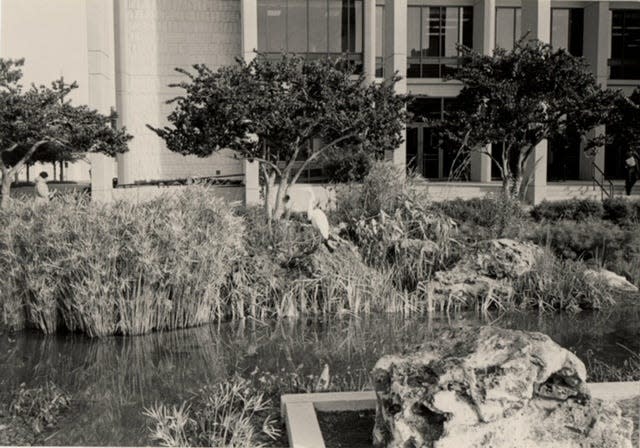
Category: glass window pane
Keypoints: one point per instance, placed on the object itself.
(431, 45)
(338, 27)
(380, 36)
(560, 28)
(467, 27)
(413, 42)
(297, 26)
(451, 31)
(271, 26)
(576, 31)
(518, 32)
(317, 26)
(358, 27)
(504, 28)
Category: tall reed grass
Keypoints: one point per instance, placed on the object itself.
(120, 268)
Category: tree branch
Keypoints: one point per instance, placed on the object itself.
(318, 152)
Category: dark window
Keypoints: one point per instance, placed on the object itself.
(567, 29)
(427, 154)
(508, 27)
(433, 34)
(625, 44)
(380, 41)
(314, 28)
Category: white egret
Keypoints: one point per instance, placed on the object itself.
(318, 218)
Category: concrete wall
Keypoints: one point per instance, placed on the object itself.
(153, 37)
(146, 193)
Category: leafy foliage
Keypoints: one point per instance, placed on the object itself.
(41, 406)
(624, 123)
(575, 209)
(41, 124)
(520, 98)
(595, 240)
(276, 112)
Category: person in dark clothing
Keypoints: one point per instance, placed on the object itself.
(631, 165)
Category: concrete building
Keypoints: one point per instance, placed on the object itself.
(123, 54)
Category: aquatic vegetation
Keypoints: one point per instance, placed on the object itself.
(117, 269)
(39, 407)
(556, 284)
(600, 371)
(230, 413)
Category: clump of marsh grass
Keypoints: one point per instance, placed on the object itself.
(556, 284)
(231, 413)
(121, 268)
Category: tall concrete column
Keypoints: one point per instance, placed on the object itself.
(484, 37)
(597, 42)
(536, 24)
(395, 60)
(369, 47)
(102, 89)
(249, 20)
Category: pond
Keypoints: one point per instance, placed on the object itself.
(112, 380)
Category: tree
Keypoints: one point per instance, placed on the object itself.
(519, 98)
(624, 124)
(40, 122)
(277, 112)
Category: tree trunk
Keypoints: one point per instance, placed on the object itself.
(28, 173)
(54, 170)
(6, 189)
(61, 171)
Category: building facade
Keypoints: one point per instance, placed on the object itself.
(124, 52)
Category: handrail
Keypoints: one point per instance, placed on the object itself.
(603, 190)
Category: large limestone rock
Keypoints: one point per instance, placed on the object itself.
(610, 280)
(504, 258)
(489, 387)
(486, 274)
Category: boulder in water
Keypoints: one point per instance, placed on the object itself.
(479, 387)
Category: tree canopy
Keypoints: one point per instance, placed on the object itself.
(284, 114)
(40, 124)
(519, 98)
(624, 124)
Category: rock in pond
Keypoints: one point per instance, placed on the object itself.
(610, 279)
(486, 274)
(490, 387)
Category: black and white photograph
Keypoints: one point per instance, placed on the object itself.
(320, 223)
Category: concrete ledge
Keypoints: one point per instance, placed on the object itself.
(299, 410)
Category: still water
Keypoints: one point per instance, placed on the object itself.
(112, 380)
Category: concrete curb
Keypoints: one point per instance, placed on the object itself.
(299, 410)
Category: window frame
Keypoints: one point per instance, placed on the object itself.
(354, 57)
(515, 10)
(441, 61)
(622, 61)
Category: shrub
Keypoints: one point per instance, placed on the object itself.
(120, 268)
(343, 166)
(601, 241)
(484, 218)
(383, 189)
(575, 209)
(621, 211)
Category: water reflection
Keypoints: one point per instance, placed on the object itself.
(113, 379)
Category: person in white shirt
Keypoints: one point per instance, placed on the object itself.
(42, 189)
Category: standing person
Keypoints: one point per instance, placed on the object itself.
(42, 189)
